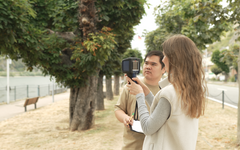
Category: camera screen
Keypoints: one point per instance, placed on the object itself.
(135, 66)
(125, 66)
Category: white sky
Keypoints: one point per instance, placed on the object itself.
(148, 23)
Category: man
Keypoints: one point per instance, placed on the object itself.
(153, 70)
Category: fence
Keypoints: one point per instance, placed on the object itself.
(223, 98)
(29, 91)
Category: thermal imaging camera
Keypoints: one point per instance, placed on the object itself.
(131, 66)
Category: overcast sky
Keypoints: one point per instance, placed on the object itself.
(148, 23)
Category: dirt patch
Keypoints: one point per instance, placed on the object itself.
(47, 128)
(218, 128)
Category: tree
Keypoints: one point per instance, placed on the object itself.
(154, 39)
(189, 18)
(230, 56)
(68, 40)
(216, 70)
(217, 56)
(133, 53)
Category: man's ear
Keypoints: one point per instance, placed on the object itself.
(163, 70)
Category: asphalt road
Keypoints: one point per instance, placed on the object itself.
(230, 93)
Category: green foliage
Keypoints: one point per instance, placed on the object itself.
(13, 21)
(225, 38)
(88, 57)
(121, 16)
(133, 53)
(24, 35)
(154, 39)
(231, 56)
(57, 15)
(233, 11)
(216, 70)
(113, 65)
(191, 18)
(99, 45)
(216, 59)
(93, 53)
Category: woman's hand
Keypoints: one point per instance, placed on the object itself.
(133, 87)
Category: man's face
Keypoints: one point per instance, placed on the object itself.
(152, 69)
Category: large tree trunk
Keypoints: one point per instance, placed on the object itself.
(109, 92)
(116, 85)
(238, 122)
(82, 106)
(83, 100)
(100, 95)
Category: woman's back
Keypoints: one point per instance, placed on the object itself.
(178, 132)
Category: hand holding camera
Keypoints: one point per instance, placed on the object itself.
(131, 66)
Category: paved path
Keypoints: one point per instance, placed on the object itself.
(14, 108)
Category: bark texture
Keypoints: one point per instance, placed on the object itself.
(82, 105)
(116, 85)
(109, 92)
(100, 95)
(88, 18)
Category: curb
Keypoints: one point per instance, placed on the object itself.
(215, 100)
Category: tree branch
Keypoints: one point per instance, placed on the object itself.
(69, 36)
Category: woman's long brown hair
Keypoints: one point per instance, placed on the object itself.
(186, 74)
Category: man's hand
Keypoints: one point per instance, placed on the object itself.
(123, 118)
(127, 121)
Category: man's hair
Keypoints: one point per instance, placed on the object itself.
(155, 53)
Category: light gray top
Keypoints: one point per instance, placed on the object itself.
(152, 122)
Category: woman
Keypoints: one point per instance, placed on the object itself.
(173, 120)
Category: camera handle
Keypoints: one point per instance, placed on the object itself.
(132, 75)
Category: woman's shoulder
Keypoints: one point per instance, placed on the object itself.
(167, 88)
(167, 92)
